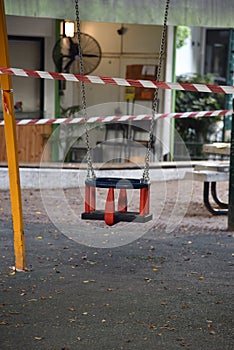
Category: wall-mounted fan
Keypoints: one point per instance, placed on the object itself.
(66, 54)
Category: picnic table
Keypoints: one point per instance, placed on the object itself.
(211, 172)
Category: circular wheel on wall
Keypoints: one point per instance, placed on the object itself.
(66, 54)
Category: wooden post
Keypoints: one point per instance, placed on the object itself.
(11, 147)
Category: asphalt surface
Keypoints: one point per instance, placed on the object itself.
(163, 291)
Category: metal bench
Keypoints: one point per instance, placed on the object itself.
(210, 174)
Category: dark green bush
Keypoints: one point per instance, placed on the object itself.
(191, 129)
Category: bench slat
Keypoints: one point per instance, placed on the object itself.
(213, 166)
(207, 176)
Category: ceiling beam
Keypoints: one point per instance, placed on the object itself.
(201, 13)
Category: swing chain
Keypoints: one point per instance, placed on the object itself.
(155, 103)
(90, 170)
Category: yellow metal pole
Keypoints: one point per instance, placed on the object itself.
(11, 146)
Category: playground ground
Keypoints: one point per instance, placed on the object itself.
(163, 291)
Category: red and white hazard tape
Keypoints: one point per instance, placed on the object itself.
(123, 118)
(118, 81)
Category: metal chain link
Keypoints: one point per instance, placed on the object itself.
(155, 103)
(90, 170)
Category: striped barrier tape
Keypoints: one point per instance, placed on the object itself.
(118, 81)
(123, 118)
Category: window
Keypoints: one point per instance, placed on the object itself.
(27, 53)
(216, 54)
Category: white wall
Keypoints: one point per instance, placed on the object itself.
(139, 45)
(189, 56)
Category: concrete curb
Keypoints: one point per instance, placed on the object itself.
(45, 178)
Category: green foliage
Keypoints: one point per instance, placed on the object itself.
(191, 129)
(182, 33)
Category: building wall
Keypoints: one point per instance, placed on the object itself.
(138, 45)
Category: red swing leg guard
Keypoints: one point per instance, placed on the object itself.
(87, 199)
(92, 199)
(122, 202)
(144, 201)
(109, 215)
(147, 200)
